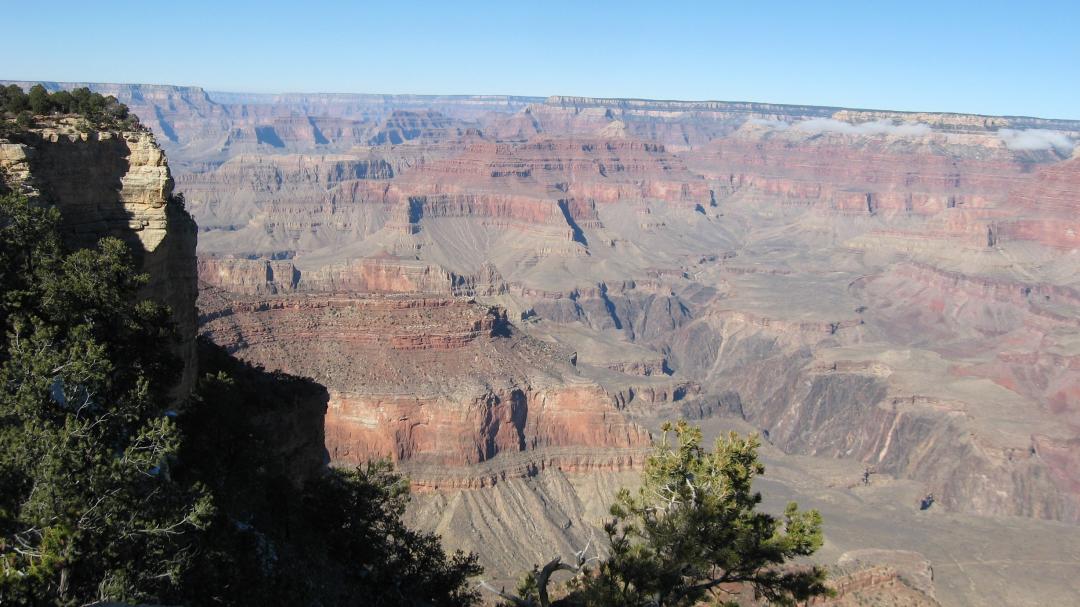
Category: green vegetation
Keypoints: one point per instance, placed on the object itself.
(107, 492)
(87, 507)
(692, 534)
(99, 110)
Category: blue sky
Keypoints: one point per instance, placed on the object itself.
(985, 57)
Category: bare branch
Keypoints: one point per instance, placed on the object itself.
(502, 593)
(544, 577)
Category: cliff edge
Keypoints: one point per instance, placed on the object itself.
(114, 182)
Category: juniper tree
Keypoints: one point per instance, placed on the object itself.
(88, 510)
(15, 99)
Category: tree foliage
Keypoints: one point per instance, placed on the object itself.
(359, 512)
(38, 99)
(88, 509)
(13, 100)
(692, 533)
(99, 110)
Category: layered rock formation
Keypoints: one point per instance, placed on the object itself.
(868, 289)
(366, 275)
(677, 227)
(115, 183)
(402, 126)
(440, 385)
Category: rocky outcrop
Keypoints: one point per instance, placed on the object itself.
(569, 428)
(403, 125)
(890, 578)
(116, 183)
(399, 323)
(249, 276)
(440, 385)
(367, 275)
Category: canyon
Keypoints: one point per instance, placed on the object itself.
(507, 295)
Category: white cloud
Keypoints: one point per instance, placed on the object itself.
(1036, 139)
(877, 127)
(776, 125)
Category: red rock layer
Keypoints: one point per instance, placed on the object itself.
(368, 275)
(605, 170)
(452, 432)
(399, 323)
(861, 177)
(1047, 208)
(434, 383)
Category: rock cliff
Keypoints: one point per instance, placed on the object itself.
(877, 290)
(115, 183)
(440, 385)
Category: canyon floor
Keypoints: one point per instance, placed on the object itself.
(507, 295)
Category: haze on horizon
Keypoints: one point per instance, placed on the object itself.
(969, 57)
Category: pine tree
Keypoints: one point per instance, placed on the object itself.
(38, 100)
(693, 529)
(88, 510)
(691, 533)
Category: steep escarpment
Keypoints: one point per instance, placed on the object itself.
(953, 404)
(443, 386)
(115, 183)
(746, 259)
(366, 275)
(1046, 208)
(868, 289)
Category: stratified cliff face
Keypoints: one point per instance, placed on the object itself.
(758, 260)
(402, 126)
(1047, 209)
(116, 183)
(499, 292)
(443, 386)
(366, 275)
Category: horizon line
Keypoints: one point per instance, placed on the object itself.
(543, 98)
